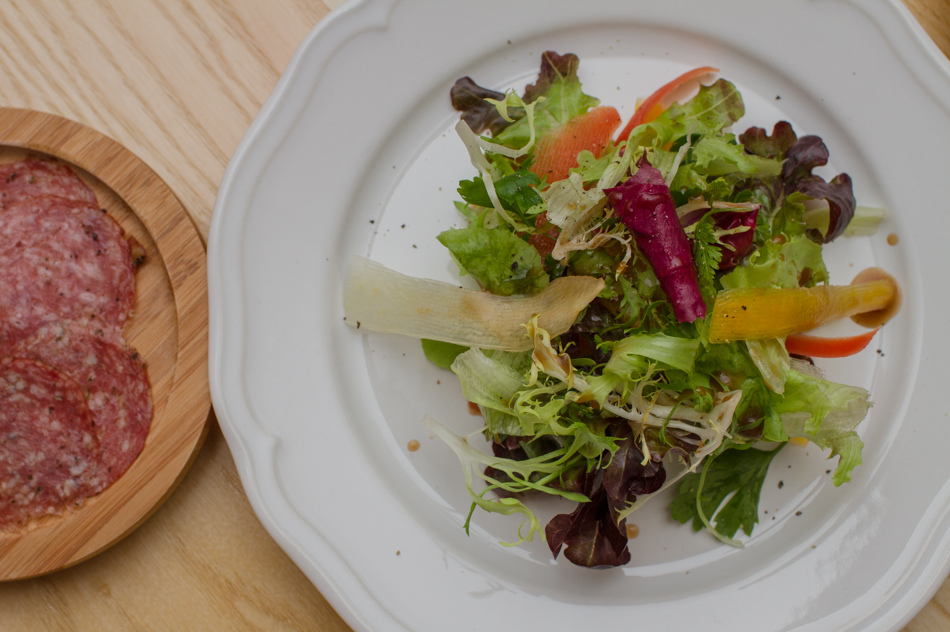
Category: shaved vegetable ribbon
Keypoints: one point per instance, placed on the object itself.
(380, 299)
(826, 347)
(758, 313)
(653, 106)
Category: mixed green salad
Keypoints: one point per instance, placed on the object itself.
(644, 297)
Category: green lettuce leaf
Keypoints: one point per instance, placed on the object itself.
(631, 359)
(497, 382)
(789, 218)
(772, 360)
(728, 362)
(441, 354)
(825, 413)
(756, 406)
(499, 260)
(714, 107)
(558, 97)
(798, 261)
(491, 380)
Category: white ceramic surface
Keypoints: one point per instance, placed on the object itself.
(353, 154)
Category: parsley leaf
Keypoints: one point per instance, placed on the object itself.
(707, 253)
(739, 473)
(515, 191)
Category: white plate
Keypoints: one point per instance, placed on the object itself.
(353, 155)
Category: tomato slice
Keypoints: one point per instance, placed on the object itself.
(821, 347)
(556, 152)
(653, 106)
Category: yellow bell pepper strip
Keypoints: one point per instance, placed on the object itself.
(759, 313)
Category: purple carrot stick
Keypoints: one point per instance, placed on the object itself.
(644, 204)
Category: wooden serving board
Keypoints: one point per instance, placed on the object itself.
(169, 328)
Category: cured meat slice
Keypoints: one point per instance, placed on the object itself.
(32, 177)
(62, 260)
(75, 399)
(114, 379)
(49, 452)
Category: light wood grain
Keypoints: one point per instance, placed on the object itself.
(178, 82)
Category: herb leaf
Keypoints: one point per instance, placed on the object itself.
(737, 472)
(515, 191)
(707, 253)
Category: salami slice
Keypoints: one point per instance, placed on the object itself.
(49, 452)
(114, 379)
(33, 177)
(75, 399)
(62, 260)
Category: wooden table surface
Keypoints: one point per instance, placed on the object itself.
(178, 82)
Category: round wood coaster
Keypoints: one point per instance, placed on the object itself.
(169, 328)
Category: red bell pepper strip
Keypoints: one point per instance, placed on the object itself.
(821, 347)
(653, 106)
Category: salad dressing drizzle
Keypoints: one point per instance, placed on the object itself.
(876, 318)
